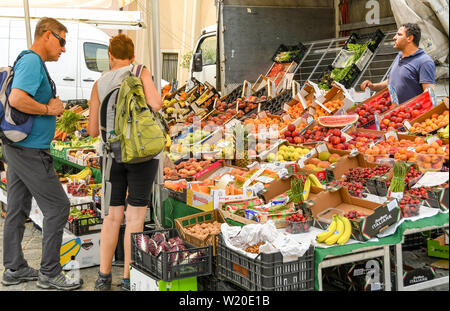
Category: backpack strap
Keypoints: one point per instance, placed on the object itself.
(137, 70)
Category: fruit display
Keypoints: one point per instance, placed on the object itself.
(338, 121)
(353, 215)
(186, 169)
(316, 134)
(400, 149)
(175, 185)
(360, 140)
(292, 133)
(323, 161)
(298, 223)
(429, 125)
(338, 232)
(421, 193)
(379, 104)
(355, 189)
(410, 206)
(338, 141)
(395, 118)
(267, 121)
(431, 156)
(412, 176)
(217, 119)
(443, 132)
(332, 106)
(296, 110)
(203, 230)
(361, 175)
(278, 71)
(83, 217)
(287, 153)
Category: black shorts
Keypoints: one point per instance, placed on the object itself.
(136, 178)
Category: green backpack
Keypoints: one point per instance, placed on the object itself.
(139, 133)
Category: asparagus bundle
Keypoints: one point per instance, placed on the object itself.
(398, 182)
(296, 192)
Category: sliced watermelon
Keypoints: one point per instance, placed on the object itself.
(338, 121)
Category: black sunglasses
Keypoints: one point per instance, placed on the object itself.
(62, 41)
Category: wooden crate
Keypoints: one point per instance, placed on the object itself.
(204, 217)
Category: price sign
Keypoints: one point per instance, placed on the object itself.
(391, 133)
(295, 88)
(393, 94)
(377, 121)
(432, 96)
(322, 148)
(407, 125)
(303, 101)
(432, 139)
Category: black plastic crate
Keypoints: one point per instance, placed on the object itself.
(347, 81)
(161, 266)
(261, 92)
(88, 225)
(414, 241)
(275, 105)
(267, 272)
(234, 94)
(177, 195)
(356, 38)
(288, 48)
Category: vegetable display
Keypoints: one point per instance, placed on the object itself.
(398, 181)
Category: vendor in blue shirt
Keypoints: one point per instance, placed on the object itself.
(412, 70)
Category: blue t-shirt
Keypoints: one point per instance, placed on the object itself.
(30, 76)
(407, 74)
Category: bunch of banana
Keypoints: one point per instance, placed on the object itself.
(443, 132)
(311, 180)
(168, 103)
(339, 231)
(82, 174)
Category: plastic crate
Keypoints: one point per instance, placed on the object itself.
(267, 272)
(205, 217)
(234, 94)
(161, 266)
(86, 225)
(347, 81)
(356, 38)
(288, 48)
(177, 195)
(275, 105)
(414, 241)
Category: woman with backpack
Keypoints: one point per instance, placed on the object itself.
(136, 178)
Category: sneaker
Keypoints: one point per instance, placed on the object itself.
(125, 285)
(23, 275)
(60, 281)
(103, 282)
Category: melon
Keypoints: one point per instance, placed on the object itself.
(338, 121)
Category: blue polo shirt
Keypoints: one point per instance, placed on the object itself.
(407, 74)
(30, 76)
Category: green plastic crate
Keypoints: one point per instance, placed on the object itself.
(435, 249)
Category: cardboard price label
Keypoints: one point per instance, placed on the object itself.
(432, 96)
(303, 101)
(393, 94)
(323, 106)
(322, 148)
(391, 133)
(377, 121)
(407, 125)
(432, 139)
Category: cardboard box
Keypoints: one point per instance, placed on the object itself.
(79, 251)
(141, 280)
(438, 247)
(439, 109)
(379, 216)
(413, 276)
(438, 198)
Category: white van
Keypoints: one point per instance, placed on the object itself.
(203, 62)
(76, 70)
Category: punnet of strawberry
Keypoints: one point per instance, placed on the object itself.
(410, 206)
(354, 214)
(298, 223)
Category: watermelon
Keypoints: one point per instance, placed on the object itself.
(338, 121)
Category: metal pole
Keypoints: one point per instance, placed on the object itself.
(26, 9)
(159, 180)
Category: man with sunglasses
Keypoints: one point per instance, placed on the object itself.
(30, 166)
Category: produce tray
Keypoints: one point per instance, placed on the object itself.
(275, 105)
(267, 272)
(177, 195)
(86, 225)
(348, 79)
(205, 217)
(356, 38)
(160, 265)
(233, 95)
(414, 241)
(288, 48)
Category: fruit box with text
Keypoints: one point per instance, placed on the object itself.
(438, 198)
(378, 216)
(438, 247)
(335, 93)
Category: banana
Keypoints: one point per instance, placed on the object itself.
(82, 174)
(315, 181)
(331, 228)
(347, 231)
(306, 189)
(337, 233)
